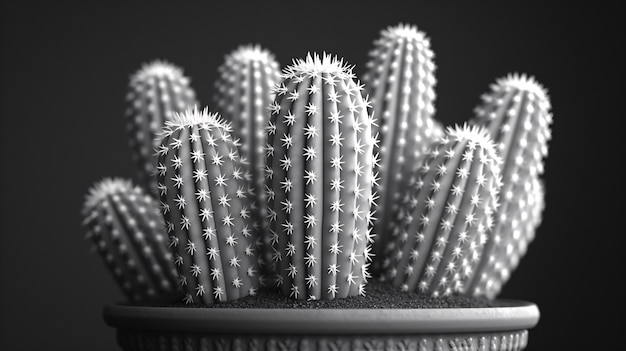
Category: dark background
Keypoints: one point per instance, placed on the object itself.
(64, 75)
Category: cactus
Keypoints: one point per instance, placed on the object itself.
(244, 90)
(126, 228)
(400, 80)
(447, 216)
(517, 115)
(318, 180)
(513, 239)
(203, 186)
(156, 92)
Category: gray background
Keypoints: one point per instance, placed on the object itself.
(64, 73)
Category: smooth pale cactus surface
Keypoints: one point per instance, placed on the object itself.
(156, 91)
(511, 243)
(126, 227)
(517, 115)
(447, 215)
(244, 90)
(204, 191)
(400, 81)
(318, 180)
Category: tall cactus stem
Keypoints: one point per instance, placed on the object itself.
(244, 90)
(517, 115)
(318, 180)
(400, 80)
(156, 92)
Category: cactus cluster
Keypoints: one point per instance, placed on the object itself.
(126, 229)
(400, 81)
(319, 179)
(155, 93)
(298, 182)
(204, 190)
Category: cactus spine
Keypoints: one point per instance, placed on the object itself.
(203, 186)
(447, 215)
(244, 90)
(127, 231)
(400, 80)
(156, 92)
(517, 115)
(318, 180)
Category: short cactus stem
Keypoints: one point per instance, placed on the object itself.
(400, 81)
(204, 191)
(156, 91)
(319, 165)
(244, 90)
(447, 216)
(126, 228)
(517, 115)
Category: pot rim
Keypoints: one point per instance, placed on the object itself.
(512, 315)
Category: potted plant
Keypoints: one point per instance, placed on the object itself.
(287, 206)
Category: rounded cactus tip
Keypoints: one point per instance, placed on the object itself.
(404, 30)
(252, 52)
(106, 187)
(315, 64)
(475, 135)
(194, 116)
(157, 68)
(524, 82)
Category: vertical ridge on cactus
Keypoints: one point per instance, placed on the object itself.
(319, 166)
(517, 115)
(204, 191)
(244, 90)
(400, 80)
(156, 91)
(127, 231)
(447, 215)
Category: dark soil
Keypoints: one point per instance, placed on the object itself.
(378, 295)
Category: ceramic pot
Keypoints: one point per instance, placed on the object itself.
(442, 329)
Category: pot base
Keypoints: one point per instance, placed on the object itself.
(500, 341)
(502, 328)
